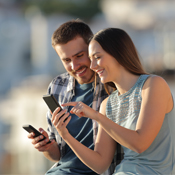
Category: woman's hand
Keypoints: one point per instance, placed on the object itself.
(60, 120)
(82, 110)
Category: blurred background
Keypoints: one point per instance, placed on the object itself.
(28, 62)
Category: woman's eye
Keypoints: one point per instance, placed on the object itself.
(97, 58)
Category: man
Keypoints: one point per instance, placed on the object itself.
(70, 41)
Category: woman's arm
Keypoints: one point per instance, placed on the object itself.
(156, 102)
(98, 160)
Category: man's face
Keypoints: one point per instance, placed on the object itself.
(74, 56)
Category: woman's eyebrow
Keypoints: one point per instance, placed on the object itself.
(95, 53)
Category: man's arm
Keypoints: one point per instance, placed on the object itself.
(50, 150)
(53, 153)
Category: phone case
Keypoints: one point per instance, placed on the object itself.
(30, 128)
(51, 102)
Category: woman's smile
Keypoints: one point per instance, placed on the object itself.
(100, 72)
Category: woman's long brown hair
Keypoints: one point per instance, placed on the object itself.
(118, 44)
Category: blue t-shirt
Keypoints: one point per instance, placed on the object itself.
(80, 129)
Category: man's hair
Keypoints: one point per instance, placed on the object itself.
(70, 30)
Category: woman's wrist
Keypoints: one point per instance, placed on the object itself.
(66, 136)
(99, 116)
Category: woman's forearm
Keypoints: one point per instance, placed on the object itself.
(125, 137)
(89, 157)
(137, 140)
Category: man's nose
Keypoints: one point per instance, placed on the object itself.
(74, 65)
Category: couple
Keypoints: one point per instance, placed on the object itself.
(136, 115)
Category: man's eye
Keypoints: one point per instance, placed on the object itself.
(80, 55)
(66, 60)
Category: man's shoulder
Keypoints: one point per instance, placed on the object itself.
(62, 79)
(61, 84)
(64, 75)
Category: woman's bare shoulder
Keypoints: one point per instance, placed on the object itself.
(157, 82)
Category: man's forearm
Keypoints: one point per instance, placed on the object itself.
(53, 153)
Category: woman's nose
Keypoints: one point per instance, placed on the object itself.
(93, 65)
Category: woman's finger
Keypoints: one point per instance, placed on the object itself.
(67, 121)
(57, 117)
(69, 104)
(56, 110)
(63, 118)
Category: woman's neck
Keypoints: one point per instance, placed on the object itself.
(125, 82)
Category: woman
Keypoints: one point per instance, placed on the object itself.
(138, 114)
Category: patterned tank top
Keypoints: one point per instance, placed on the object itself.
(159, 158)
(126, 107)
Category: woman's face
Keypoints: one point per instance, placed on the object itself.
(103, 63)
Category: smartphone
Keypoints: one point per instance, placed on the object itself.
(51, 102)
(30, 128)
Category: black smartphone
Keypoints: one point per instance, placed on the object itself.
(51, 102)
(30, 128)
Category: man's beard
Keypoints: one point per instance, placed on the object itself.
(83, 79)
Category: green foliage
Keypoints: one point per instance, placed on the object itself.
(83, 9)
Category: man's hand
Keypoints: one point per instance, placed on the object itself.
(40, 145)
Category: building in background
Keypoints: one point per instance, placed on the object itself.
(151, 25)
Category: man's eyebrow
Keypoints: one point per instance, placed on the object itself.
(74, 54)
(64, 59)
(78, 53)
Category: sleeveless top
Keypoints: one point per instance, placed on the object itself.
(159, 158)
